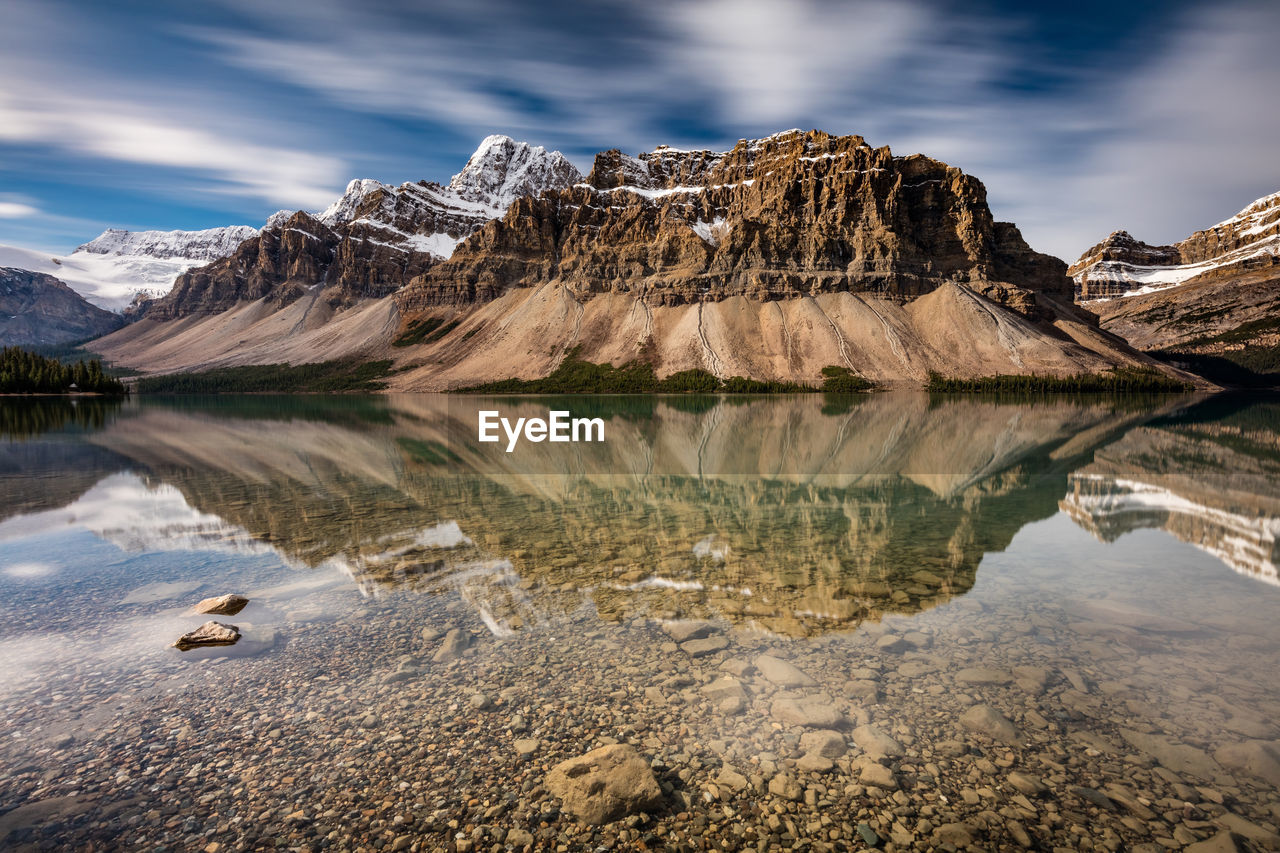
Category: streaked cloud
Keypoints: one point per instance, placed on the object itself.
(1153, 118)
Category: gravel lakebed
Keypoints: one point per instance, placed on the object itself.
(1002, 720)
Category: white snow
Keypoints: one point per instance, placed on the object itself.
(344, 208)
(207, 245)
(113, 268)
(502, 170)
(710, 232)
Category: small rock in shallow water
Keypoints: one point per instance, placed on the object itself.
(876, 743)
(209, 634)
(222, 605)
(824, 742)
(455, 643)
(684, 630)
(988, 721)
(711, 645)
(785, 787)
(813, 712)
(782, 673)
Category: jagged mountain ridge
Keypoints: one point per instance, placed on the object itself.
(1193, 296)
(789, 215)
(37, 309)
(372, 240)
(206, 245)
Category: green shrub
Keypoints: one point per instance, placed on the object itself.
(321, 377)
(1119, 380)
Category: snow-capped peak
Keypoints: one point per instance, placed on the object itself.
(344, 209)
(207, 245)
(502, 170)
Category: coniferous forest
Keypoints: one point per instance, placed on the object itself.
(23, 372)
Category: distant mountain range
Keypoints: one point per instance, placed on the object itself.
(1215, 294)
(771, 260)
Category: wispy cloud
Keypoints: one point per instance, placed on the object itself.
(124, 131)
(17, 210)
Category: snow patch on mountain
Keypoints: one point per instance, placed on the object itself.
(1251, 234)
(207, 245)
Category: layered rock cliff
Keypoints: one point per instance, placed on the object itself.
(795, 214)
(372, 240)
(1216, 292)
(38, 310)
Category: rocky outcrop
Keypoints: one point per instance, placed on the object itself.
(1099, 273)
(1214, 293)
(372, 240)
(795, 214)
(38, 310)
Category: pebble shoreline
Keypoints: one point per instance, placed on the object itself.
(404, 724)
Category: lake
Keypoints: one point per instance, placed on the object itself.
(822, 622)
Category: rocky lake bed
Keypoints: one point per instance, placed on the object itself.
(552, 681)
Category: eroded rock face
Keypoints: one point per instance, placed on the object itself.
(372, 240)
(605, 784)
(209, 634)
(794, 214)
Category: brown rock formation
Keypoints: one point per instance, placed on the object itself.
(796, 214)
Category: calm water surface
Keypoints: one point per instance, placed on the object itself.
(1062, 616)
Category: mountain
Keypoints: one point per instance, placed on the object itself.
(771, 260)
(370, 241)
(1216, 293)
(117, 267)
(38, 310)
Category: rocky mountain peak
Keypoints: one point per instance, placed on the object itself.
(346, 207)
(373, 238)
(502, 170)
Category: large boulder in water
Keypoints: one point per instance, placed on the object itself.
(605, 784)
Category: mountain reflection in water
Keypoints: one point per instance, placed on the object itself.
(789, 514)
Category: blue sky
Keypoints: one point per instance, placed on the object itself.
(1159, 118)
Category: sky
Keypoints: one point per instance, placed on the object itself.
(1158, 118)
